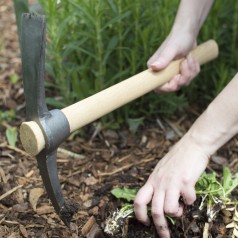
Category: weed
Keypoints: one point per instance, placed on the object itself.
(11, 134)
(7, 115)
(215, 196)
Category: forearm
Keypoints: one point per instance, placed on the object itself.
(191, 15)
(219, 122)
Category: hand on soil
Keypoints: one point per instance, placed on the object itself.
(174, 176)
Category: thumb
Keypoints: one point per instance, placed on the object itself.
(160, 60)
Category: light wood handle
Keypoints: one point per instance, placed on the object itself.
(98, 105)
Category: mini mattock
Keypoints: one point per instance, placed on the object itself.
(45, 130)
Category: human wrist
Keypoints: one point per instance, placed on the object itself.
(191, 148)
(219, 122)
(208, 133)
(187, 28)
(191, 16)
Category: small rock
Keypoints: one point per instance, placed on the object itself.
(170, 135)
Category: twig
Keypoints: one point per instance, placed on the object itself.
(89, 224)
(124, 168)
(70, 154)
(175, 128)
(3, 176)
(159, 122)
(206, 231)
(18, 150)
(123, 158)
(10, 192)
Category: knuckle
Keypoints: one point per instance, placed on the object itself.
(186, 181)
(171, 210)
(188, 198)
(137, 203)
(156, 214)
(191, 200)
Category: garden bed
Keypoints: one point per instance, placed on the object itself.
(90, 164)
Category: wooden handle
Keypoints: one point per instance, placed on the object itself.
(94, 107)
(98, 105)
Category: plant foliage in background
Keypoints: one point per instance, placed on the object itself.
(93, 44)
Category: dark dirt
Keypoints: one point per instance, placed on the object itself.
(90, 163)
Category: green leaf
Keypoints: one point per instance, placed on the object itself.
(7, 115)
(55, 103)
(229, 182)
(124, 193)
(171, 219)
(207, 183)
(134, 123)
(14, 78)
(11, 134)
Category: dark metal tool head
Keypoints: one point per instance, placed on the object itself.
(53, 124)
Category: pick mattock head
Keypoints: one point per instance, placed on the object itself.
(54, 125)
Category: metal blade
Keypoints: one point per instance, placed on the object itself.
(33, 66)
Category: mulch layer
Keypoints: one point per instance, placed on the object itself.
(90, 163)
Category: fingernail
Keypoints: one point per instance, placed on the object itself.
(158, 64)
(155, 65)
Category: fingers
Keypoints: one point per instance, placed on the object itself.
(163, 202)
(189, 69)
(172, 207)
(157, 212)
(143, 197)
(161, 58)
(189, 195)
(171, 86)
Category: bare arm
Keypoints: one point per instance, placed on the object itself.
(178, 171)
(181, 39)
(219, 122)
(176, 174)
(191, 15)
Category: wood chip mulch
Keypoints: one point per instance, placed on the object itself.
(90, 163)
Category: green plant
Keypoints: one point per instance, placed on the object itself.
(116, 222)
(93, 44)
(8, 115)
(11, 134)
(215, 196)
(14, 78)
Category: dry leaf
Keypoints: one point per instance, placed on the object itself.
(45, 209)
(13, 235)
(95, 231)
(23, 231)
(34, 196)
(90, 181)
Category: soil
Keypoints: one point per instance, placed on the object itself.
(90, 163)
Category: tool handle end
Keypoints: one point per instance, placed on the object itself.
(31, 137)
(206, 52)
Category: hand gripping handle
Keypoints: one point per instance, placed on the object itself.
(99, 104)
